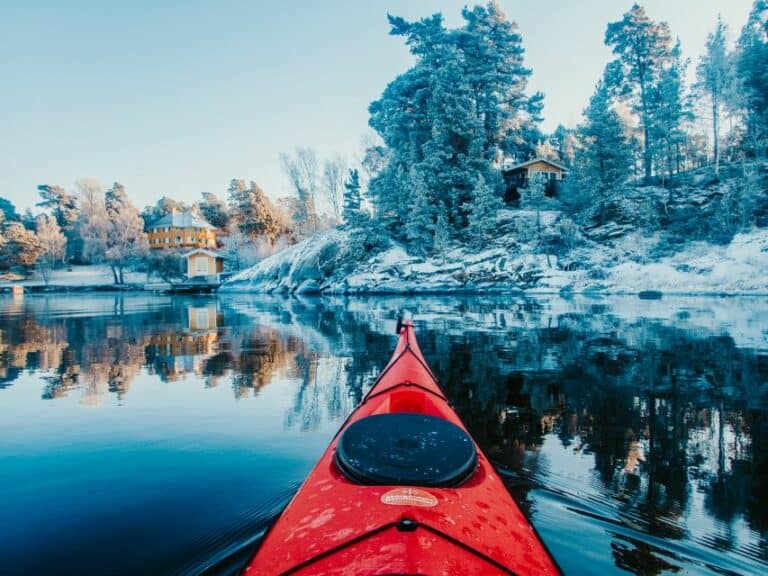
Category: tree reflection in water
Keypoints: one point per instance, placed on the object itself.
(659, 418)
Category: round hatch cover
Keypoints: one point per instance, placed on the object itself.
(406, 449)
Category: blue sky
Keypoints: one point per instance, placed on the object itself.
(175, 98)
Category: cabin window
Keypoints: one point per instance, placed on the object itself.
(552, 175)
(178, 239)
(201, 266)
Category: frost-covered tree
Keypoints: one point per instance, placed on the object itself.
(301, 169)
(21, 247)
(126, 242)
(482, 211)
(52, 245)
(752, 71)
(642, 48)
(451, 116)
(254, 214)
(604, 159)
(162, 207)
(8, 210)
(442, 231)
(333, 184)
(214, 210)
(115, 200)
(111, 230)
(352, 199)
(62, 205)
(420, 226)
(668, 110)
(714, 75)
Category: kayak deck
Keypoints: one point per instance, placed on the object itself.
(335, 525)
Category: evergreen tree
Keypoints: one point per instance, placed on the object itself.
(485, 205)
(668, 111)
(253, 213)
(62, 205)
(442, 231)
(752, 70)
(714, 75)
(21, 246)
(8, 210)
(214, 211)
(642, 48)
(420, 226)
(115, 200)
(352, 199)
(451, 116)
(605, 158)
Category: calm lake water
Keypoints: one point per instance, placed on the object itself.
(158, 435)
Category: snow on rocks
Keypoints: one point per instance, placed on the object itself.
(515, 262)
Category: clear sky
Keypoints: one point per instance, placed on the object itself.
(178, 97)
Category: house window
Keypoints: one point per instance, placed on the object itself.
(552, 175)
(190, 239)
(178, 239)
(167, 240)
(201, 266)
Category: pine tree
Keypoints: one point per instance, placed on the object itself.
(253, 212)
(352, 199)
(605, 158)
(214, 211)
(483, 209)
(21, 247)
(420, 226)
(642, 47)
(714, 75)
(668, 111)
(451, 116)
(8, 210)
(752, 70)
(62, 205)
(442, 231)
(115, 200)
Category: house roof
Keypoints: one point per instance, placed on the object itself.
(203, 251)
(533, 161)
(181, 220)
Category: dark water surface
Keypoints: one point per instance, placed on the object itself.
(157, 435)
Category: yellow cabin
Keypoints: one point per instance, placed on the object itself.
(202, 263)
(517, 175)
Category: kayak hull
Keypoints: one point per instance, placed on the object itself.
(336, 526)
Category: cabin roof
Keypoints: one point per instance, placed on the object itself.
(203, 251)
(181, 220)
(533, 161)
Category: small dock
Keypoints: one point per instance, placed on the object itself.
(196, 285)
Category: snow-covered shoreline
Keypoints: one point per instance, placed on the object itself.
(513, 264)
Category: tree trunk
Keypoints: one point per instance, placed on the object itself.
(647, 160)
(716, 133)
(114, 273)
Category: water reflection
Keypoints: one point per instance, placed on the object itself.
(641, 426)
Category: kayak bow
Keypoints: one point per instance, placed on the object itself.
(403, 489)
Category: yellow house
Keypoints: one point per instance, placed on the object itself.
(204, 263)
(181, 230)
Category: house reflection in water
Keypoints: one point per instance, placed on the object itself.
(175, 353)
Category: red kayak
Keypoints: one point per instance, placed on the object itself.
(403, 489)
